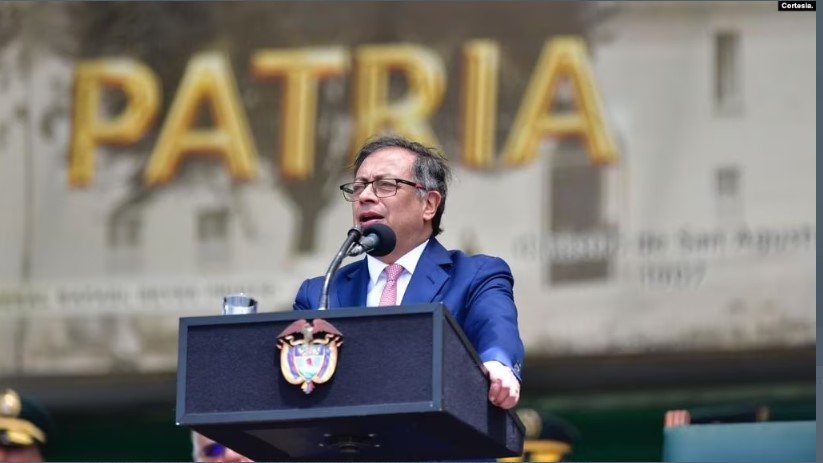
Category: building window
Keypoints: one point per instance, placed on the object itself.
(727, 191)
(579, 246)
(124, 232)
(124, 237)
(213, 226)
(727, 72)
(727, 182)
(212, 238)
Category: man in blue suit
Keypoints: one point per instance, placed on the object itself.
(403, 184)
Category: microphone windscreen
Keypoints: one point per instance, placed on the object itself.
(386, 239)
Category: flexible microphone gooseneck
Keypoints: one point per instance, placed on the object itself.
(353, 236)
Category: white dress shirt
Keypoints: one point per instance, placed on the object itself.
(378, 278)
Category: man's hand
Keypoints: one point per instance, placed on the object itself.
(505, 388)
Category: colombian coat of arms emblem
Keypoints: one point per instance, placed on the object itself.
(308, 352)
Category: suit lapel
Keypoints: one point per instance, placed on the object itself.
(354, 284)
(430, 275)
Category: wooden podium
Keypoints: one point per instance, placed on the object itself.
(408, 387)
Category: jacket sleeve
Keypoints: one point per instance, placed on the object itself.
(491, 319)
(301, 300)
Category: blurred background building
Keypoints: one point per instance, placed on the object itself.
(679, 273)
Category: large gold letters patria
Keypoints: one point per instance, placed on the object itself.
(208, 80)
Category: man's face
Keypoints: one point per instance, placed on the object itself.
(20, 453)
(207, 450)
(406, 213)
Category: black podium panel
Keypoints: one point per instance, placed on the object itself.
(408, 386)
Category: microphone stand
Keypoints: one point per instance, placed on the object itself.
(354, 235)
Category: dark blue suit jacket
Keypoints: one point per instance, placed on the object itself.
(476, 289)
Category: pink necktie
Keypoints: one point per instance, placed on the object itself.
(389, 296)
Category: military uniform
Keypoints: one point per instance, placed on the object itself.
(24, 427)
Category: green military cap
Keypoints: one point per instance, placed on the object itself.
(22, 422)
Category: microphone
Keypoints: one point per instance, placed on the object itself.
(378, 240)
(353, 236)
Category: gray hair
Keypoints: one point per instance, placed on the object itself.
(430, 169)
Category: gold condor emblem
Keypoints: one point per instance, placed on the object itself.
(308, 352)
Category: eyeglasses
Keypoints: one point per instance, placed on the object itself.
(383, 187)
(213, 450)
